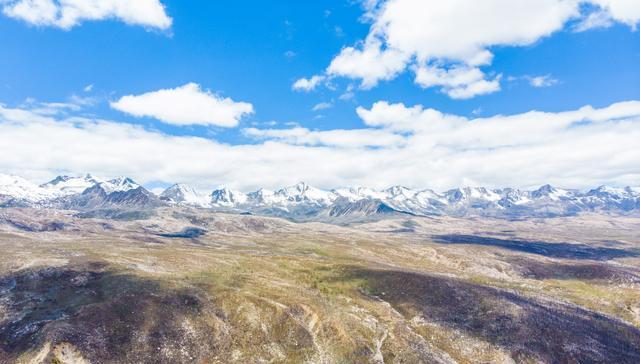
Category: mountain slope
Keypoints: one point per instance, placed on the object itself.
(102, 196)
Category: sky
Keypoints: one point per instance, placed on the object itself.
(250, 94)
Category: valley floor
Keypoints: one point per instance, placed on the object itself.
(191, 286)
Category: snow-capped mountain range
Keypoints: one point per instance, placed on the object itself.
(304, 202)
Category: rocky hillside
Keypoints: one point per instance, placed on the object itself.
(193, 286)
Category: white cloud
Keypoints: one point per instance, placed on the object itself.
(369, 63)
(83, 101)
(347, 95)
(542, 81)
(322, 106)
(73, 104)
(37, 12)
(88, 88)
(458, 82)
(353, 138)
(409, 145)
(185, 105)
(66, 14)
(308, 84)
(624, 11)
(435, 38)
(394, 116)
(596, 19)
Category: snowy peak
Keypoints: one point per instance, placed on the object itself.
(610, 198)
(550, 192)
(513, 197)
(302, 192)
(546, 189)
(398, 191)
(358, 193)
(472, 193)
(184, 194)
(119, 184)
(66, 185)
(12, 180)
(227, 197)
(297, 189)
(456, 195)
(19, 188)
(73, 192)
(263, 197)
(56, 181)
(606, 191)
(427, 194)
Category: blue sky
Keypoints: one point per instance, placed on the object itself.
(254, 51)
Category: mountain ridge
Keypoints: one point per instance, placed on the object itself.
(304, 202)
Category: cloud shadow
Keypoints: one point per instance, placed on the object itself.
(547, 249)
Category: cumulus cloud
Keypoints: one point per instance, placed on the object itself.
(369, 63)
(409, 145)
(308, 84)
(446, 42)
(396, 116)
(66, 14)
(185, 105)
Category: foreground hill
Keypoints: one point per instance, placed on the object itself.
(190, 285)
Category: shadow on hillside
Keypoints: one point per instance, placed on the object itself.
(109, 317)
(531, 268)
(527, 328)
(186, 233)
(547, 249)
